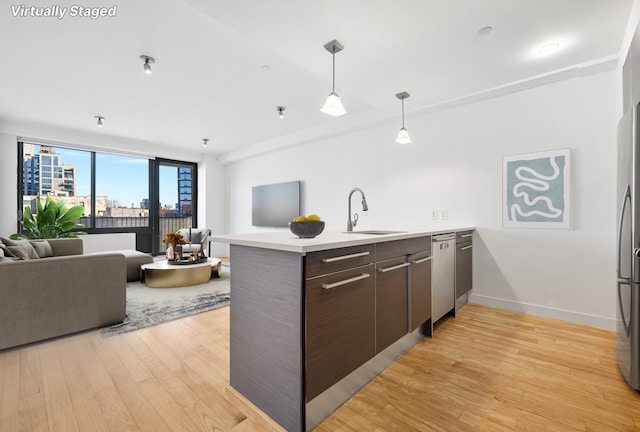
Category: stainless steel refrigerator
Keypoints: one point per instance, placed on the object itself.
(628, 285)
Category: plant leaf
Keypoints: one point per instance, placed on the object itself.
(73, 213)
(46, 218)
(28, 220)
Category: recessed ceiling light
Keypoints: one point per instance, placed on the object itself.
(148, 61)
(485, 30)
(549, 49)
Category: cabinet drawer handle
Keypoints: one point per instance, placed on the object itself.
(395, 267)
(346, 281)
(466, 247)
(420, 261)
(344, 257)
(466, 235)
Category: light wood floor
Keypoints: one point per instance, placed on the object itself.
(485, 370)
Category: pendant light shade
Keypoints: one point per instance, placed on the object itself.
(403, 135)
(333, 104)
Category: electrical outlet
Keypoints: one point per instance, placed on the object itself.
(444, 214)
(434, 215)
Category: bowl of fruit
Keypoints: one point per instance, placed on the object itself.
(307, 226)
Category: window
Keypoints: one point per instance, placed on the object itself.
(115, 191)
(122, 185)
(177, 191)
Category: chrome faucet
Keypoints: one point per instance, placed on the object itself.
(353, 222)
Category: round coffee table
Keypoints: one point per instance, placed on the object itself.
(161, 274)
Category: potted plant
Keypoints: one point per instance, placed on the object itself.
(173, 240)
(53, 220)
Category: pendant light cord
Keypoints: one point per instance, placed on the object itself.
(333, 55)
(402, 113)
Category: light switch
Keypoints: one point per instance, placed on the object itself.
(434, 215)
(443, 214)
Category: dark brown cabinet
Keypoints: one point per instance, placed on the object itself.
(334, 260)
(340, 327)
(419, 289)
(464, 252)
(392, 277)
(340, 314)
(310, 327)
(393, 303)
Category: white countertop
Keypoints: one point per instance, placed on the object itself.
(329, 239)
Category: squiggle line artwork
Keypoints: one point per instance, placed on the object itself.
(530, 179)
(536, 190)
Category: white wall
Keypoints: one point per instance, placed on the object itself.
(455, 163)
(211, 182)
(8, 184)
(213, 200)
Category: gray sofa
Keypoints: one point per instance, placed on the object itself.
(67, 292)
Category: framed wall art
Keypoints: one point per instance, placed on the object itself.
(536, 190)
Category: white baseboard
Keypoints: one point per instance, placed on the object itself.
(545, 311)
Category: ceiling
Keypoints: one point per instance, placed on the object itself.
(222, 67)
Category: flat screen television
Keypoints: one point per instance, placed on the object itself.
(275, 205)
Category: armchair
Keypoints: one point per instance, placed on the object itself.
(198, 237)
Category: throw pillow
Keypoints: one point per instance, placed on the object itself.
(10, 242)
(6, 251)
(196, 237)
(43, 248)
(24, 251)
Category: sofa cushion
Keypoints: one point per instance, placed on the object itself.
(7, 259)
(43, 248)
(24, 251)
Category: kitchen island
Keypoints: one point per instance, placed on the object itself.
(314, 320)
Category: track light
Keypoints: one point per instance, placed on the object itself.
(280, 111)
(148, 61)
(99, 120)
(205, 141)
(333, 105)
(403, 136)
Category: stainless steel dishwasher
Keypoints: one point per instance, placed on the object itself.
(443, 286)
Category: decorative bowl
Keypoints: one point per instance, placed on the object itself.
(306, 229)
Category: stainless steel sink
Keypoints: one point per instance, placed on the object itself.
(375, 232)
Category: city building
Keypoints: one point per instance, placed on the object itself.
(45, 174)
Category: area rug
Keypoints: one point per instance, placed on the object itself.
(150, 306)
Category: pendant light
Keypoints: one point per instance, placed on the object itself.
(280, 110)
(205, 141)
(333, 105)
(99, 120)
(403, 136)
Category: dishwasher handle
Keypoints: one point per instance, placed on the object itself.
(444, 237)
